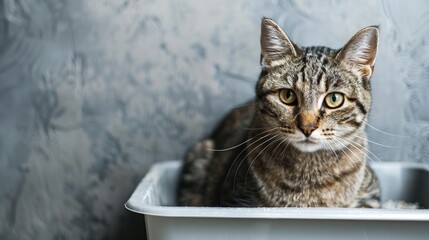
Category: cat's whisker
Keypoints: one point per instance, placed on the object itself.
(381, 131)
(238, 145)
(282, 154)
(346, 147)
(239, 154)
(245, 157)
(272, 153)
(261, 128)
(250, 165)
(330, 147)
(230, 148)
(373, 154)
(275, 150)
(351, 160)
(357, 144)
(376, 143)
(363, 152)
(336, 142)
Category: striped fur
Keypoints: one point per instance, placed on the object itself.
(306, 154)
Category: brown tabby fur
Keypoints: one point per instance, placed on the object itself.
(270, 154)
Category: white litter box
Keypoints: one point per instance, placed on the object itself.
(155, 197)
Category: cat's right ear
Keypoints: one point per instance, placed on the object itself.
(361, 50)
(275, 45)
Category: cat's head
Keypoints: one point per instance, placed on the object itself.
(316, 97)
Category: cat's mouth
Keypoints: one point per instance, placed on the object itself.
(308, 145)
(308, 142)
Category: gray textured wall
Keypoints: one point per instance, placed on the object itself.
(94, 92)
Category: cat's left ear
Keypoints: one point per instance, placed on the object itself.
(361, 50)
(276, 47)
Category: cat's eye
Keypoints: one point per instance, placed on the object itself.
(334, 100)
(288, 96)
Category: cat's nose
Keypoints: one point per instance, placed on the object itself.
(307, 122)
(307, 129)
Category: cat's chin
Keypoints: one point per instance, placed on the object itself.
(306, 146)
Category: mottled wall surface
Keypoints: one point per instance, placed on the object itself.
(94, 92)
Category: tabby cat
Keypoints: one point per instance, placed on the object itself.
(301, 141)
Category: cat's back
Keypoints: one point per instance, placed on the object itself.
(234, 126)
(207, 162)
